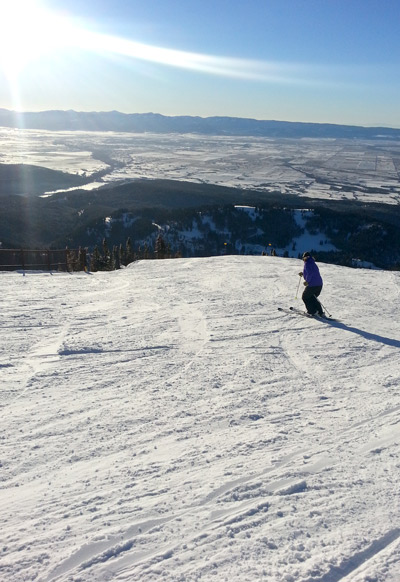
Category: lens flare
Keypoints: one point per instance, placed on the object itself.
(28, 31)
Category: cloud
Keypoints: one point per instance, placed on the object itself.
(29, 32)
(244, 69)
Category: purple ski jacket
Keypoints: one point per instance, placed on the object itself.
(311, 273)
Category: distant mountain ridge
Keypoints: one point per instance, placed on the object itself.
(57, 120)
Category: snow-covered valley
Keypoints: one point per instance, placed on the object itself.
(167, 422)
(329, 169)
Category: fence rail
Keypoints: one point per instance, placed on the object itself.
(43, 260)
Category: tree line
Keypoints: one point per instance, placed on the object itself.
(110, 259)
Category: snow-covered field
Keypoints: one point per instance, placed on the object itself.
(167, 422)
(320, 168)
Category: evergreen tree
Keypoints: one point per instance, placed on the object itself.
(121, 254)
(95, 262)
(160, 248)
(116, 259)
(70, 260)
(106, 254)
(108, 259)
(129, 255)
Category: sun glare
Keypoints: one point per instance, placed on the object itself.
(27, 31)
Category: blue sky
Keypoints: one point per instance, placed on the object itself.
(333, 61)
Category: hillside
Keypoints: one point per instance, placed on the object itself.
(203, 220)
(29, 180)
(167, 422)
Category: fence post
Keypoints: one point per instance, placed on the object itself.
(22, 259)
(48, 260)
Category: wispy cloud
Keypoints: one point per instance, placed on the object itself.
(29, 32)
(245, 69)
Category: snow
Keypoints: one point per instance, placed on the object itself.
(250, 210)
(328, 169)
(308, 240)
(167, 422)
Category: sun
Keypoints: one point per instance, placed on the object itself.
(30, 31)
(27, 31)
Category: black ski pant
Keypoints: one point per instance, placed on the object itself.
(311, 302)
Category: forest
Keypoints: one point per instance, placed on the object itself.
(200, 220)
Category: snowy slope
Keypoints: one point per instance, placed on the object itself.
(167, 422)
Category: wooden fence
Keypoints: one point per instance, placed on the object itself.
(43, 260)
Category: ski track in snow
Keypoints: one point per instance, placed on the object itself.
(167, 422)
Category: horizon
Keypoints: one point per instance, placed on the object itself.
(156, 113)
(300, 63)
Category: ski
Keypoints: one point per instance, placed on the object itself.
(305, 314)
(292, 310)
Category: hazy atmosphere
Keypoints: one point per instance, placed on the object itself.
(333, 61)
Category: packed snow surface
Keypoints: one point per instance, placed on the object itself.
(167, 422)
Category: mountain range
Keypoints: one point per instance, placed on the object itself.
(57, 120)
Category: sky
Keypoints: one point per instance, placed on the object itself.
(328, 61)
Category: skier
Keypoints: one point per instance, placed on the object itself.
(313, 284)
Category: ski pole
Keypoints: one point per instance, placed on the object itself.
(297, 290)
(324, 308)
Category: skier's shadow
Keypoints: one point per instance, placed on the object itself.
(369, 336)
